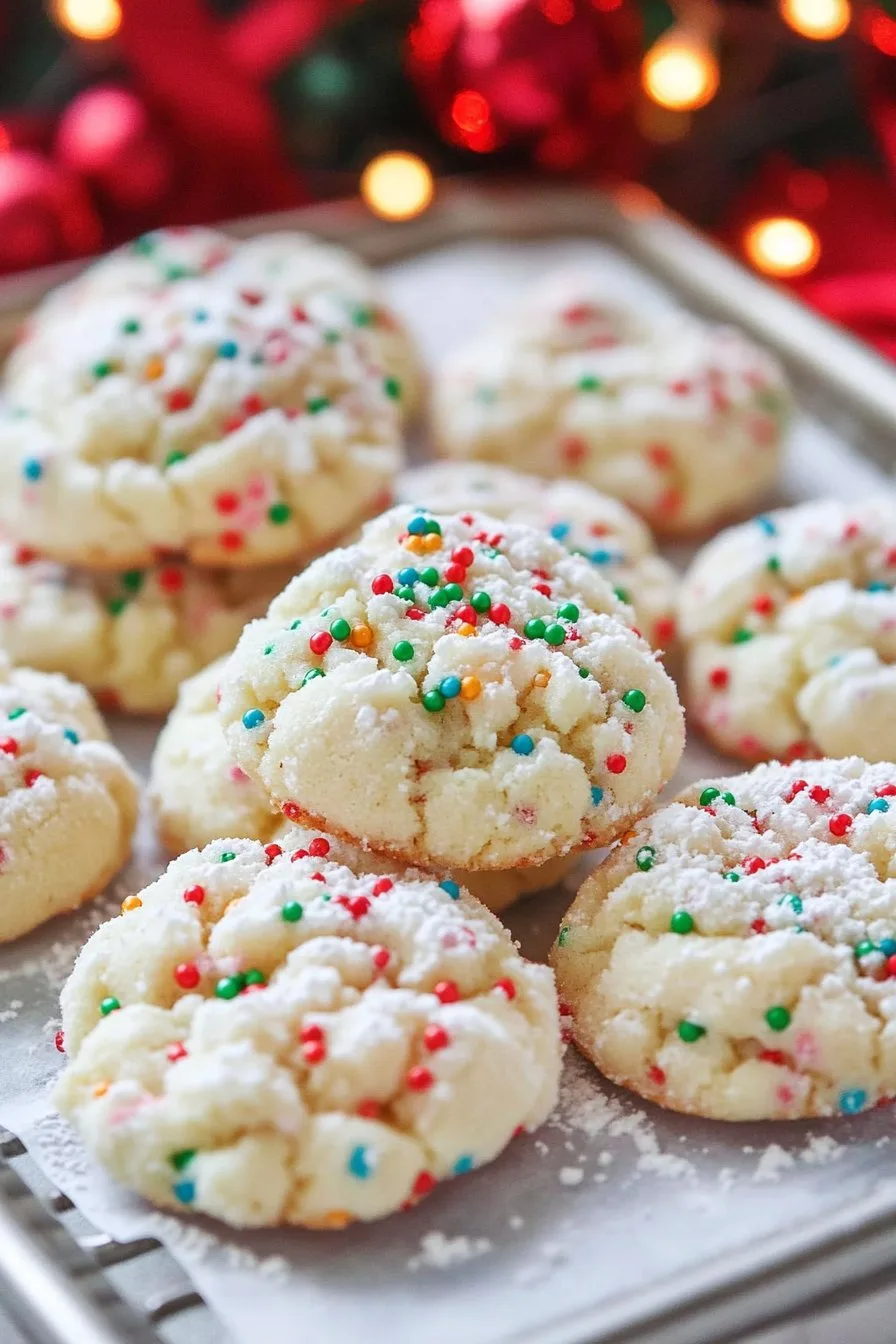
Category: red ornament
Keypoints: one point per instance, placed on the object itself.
(107, 136)
(558, 78)
(45, 213)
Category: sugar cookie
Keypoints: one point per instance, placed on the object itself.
(735, 956)
(681, 420)
(130, 637)
(272, 1041)
(195, 420)
(198, 795)
(68, 802)
(452, 690)
(585, 521)
(790, 628)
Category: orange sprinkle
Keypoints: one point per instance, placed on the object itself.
(100, 1089)
(154, 368)
(336, 1218)
(431, 542)
(415, 544)
(130, 903)
(624, 839)
(466, 630)
(541, 678)
(470, 688)
(361, 637)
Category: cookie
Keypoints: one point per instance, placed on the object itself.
(198, 794)
(735, 956)
(68, 802)
(342, 292)
(789, 623)
(272, 1040)
(196, 419)
(453, 691)
(130, 637)
(586, 522)
(681, 420)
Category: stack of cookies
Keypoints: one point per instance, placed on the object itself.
(183, 427)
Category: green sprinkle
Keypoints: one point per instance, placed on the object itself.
(314, 405)
(279, 513)
(778, 1018)
(268, 648)
(773, 564)
(535, 628)
(312, 673)
(295, 625)
(730, 799)
(588, 383)
(429, 576)
(731, 877)
(229, 987)
(681, 922)
(174, 457)
(132, 580)
(71, 736)
(481, 602)
(563, 936)
(291, 912)
(622, 594)
(130, 326)
(403, 651)
(690, 1032)
(340, 629)
(17, 712)
(255, 977)
(392, 388)
(182, 1159)
(794, 902)
(864, 949)
(555, 635)
(453, 592)
(116, 605)
(432, 528)
(102, 369)
(227, 856)
(407, 594)
(110, 1005)
(362, 317)
(568, 612)
(709, 796)
(645, 858)
(433, 701)
(741, 636)
(636, 700)
(438, 599)
(584, 673)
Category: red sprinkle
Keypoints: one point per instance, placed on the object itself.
(227, 502)
(759, 926)
(272, 852)
(666, 628)
(320, 641)
(187, 974)
(291, 811)
(414, 614)
(424, 1183)
(419, 1078)
(891, 965)
(170, 580)
(616, 763)
(454, 574)
(659, 455)
(380, 956)
(315, 1052)
(369, 1108)
(888, 791)
(656, 1075)
(319, 847)
(176, 1051)
(312, 1031)
(194, 895)
(179, 399)
(719, 677)
(507, 987)
(516, 643)
(357, 906)
(382, 885)
(9, 746)
(499, 613)
(773, 1057)
(851, 531)
(435, 1037)
(31, 777)
(819, 795)
(763, 604)
(468, 614)
(840, 824)
(59, 1042)
(231, 541)
(463, 556)
(382, 584)
(24, 555)
(796, 787)
(543, 588)
(298, 854)
(446, 991)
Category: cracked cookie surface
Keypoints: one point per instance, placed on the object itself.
(272, 1040)
(453, 690)
(735, 956)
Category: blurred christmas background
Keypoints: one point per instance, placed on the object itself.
(770, 123)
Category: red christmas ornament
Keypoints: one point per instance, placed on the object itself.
(106, 136)
(556, 77)
(45, 213)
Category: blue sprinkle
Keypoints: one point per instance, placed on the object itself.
(463, 1164)
(408, 576)
(888, 946)
(452, 888)
(601, 557)
(228, 350)
(597, 796)
(878, 805)
(71, 736)
(185, 1191)
(32, 470)
(200, 315)
(560, 531)
(853, 1101)
(523, 745)
(450, 687)
(253, 718)
(360, 1163)
(837, 658)
(417, 526)
(878, 586)
(766, 524)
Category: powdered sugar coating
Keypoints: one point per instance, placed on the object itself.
(68, 802)
(198, 418)
(680, 419)
(336, 1045)
(199, 794)
(735, 956)
(585, 521)
(790, 628)
(131, 637)
(472, 711)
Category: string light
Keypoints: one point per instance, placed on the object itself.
(818, 19)
(680, 72)
(93, 20)
(880, 30)
(396, 185)
(782, 246)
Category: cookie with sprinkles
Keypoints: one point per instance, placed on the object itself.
(274, 1039)
(789, 625)
(130, 637)
(198, 794)
(453, 691)
(68, 802)
(681, 420)
(735, 956)
(588, 523)
(198, 419)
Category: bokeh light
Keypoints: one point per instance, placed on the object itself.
(818, 19)
(93, 20)
(880, 30)
(782, 246)
(680, 73)
(397, 185)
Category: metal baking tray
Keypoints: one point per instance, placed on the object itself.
(669, 1230)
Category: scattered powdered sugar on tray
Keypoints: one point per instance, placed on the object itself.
(571, 1175)
(440, 1252)
(195, 1243)
(821, 1148)
(772, 1162)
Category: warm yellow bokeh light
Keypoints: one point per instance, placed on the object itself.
(93, 20)
(820, 19)
(397, 185)
(782, 246)
(680, 73)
